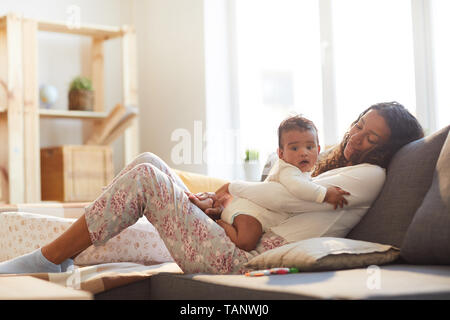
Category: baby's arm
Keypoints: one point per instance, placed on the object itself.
(245, 231)
(335, 196)
(304, 189)
(300, 186)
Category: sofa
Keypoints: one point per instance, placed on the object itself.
(411, 214)
(409, 221)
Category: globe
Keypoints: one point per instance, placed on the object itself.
(48, 95)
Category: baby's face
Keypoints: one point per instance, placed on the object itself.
(299, 149)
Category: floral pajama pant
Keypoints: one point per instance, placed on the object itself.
(147, 187)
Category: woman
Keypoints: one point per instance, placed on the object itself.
(197, 243)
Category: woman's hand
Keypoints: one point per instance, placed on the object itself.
(207, 201)
(222, 198)
(201, 200)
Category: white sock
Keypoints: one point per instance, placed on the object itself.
(33, 262)
(67, 265)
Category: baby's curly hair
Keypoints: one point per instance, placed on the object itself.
(404, 127)
(296, 122)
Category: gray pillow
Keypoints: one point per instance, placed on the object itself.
(427, 240)
(408, 179)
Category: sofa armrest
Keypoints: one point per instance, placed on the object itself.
(199, 182)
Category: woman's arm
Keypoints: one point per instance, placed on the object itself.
(363, 181)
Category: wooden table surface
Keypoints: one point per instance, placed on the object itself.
(30, 288)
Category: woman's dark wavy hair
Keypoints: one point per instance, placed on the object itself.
(404, 129)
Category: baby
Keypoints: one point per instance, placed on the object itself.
(298, 150)
(244, 221)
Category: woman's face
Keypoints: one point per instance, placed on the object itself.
(369, 132)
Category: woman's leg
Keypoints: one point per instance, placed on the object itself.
(148, 157)
(188, 233)
(73, 241)
(118, 207)
(78, 234)
(194, 241)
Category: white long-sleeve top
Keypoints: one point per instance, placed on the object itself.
(296, 182)
(311, 219)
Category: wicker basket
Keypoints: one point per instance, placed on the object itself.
(81, 100)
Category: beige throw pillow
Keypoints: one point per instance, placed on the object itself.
(325, 253)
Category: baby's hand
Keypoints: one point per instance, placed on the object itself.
(335, 196)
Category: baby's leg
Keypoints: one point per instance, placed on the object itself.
(248, 231)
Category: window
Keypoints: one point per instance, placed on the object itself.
(374, 57)
(278, 62)
(440, 26)
(331, 60)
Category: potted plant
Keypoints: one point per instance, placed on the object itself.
(81, 94)
(252, 168)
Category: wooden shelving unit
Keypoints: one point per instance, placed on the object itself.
(19, 103)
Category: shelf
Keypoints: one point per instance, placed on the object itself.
(103, 32)
(51, 113)
(96, 31)
(20, 129)
(68, 114)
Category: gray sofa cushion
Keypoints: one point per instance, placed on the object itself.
(385, 282)
(409, 177)
(428, 237)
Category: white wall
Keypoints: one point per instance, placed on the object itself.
(170, 40)
(171, 71)
(62, 57)
(223, 135)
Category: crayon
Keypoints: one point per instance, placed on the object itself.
(267, 272)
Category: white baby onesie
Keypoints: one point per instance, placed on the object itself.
(298, 183)
(266, 217)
